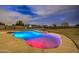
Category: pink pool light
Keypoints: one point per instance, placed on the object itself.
(49, 40)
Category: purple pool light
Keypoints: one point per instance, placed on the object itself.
(37, 39)
(48, 40)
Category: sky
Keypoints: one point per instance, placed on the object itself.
(40, 14)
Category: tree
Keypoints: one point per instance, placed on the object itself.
(65, 24)
(2, 23)
(54, 25)
(19, 23)
(77, 25)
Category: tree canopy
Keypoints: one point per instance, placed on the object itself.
(19, 23)
(77, 25)
(2, 23)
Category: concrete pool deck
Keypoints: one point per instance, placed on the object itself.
(10, 44)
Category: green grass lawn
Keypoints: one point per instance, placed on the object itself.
(72, 33)
(8, 42)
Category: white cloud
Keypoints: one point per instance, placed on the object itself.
(49, 9)
(9, 17)
(44, 11)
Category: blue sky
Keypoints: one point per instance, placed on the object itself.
(39, 14)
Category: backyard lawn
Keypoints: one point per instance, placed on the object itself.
(68, 36)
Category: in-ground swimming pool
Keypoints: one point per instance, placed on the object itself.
(39, 39)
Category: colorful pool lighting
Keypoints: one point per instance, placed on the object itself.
(45, 42)
(26, 35)
(39, 39)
